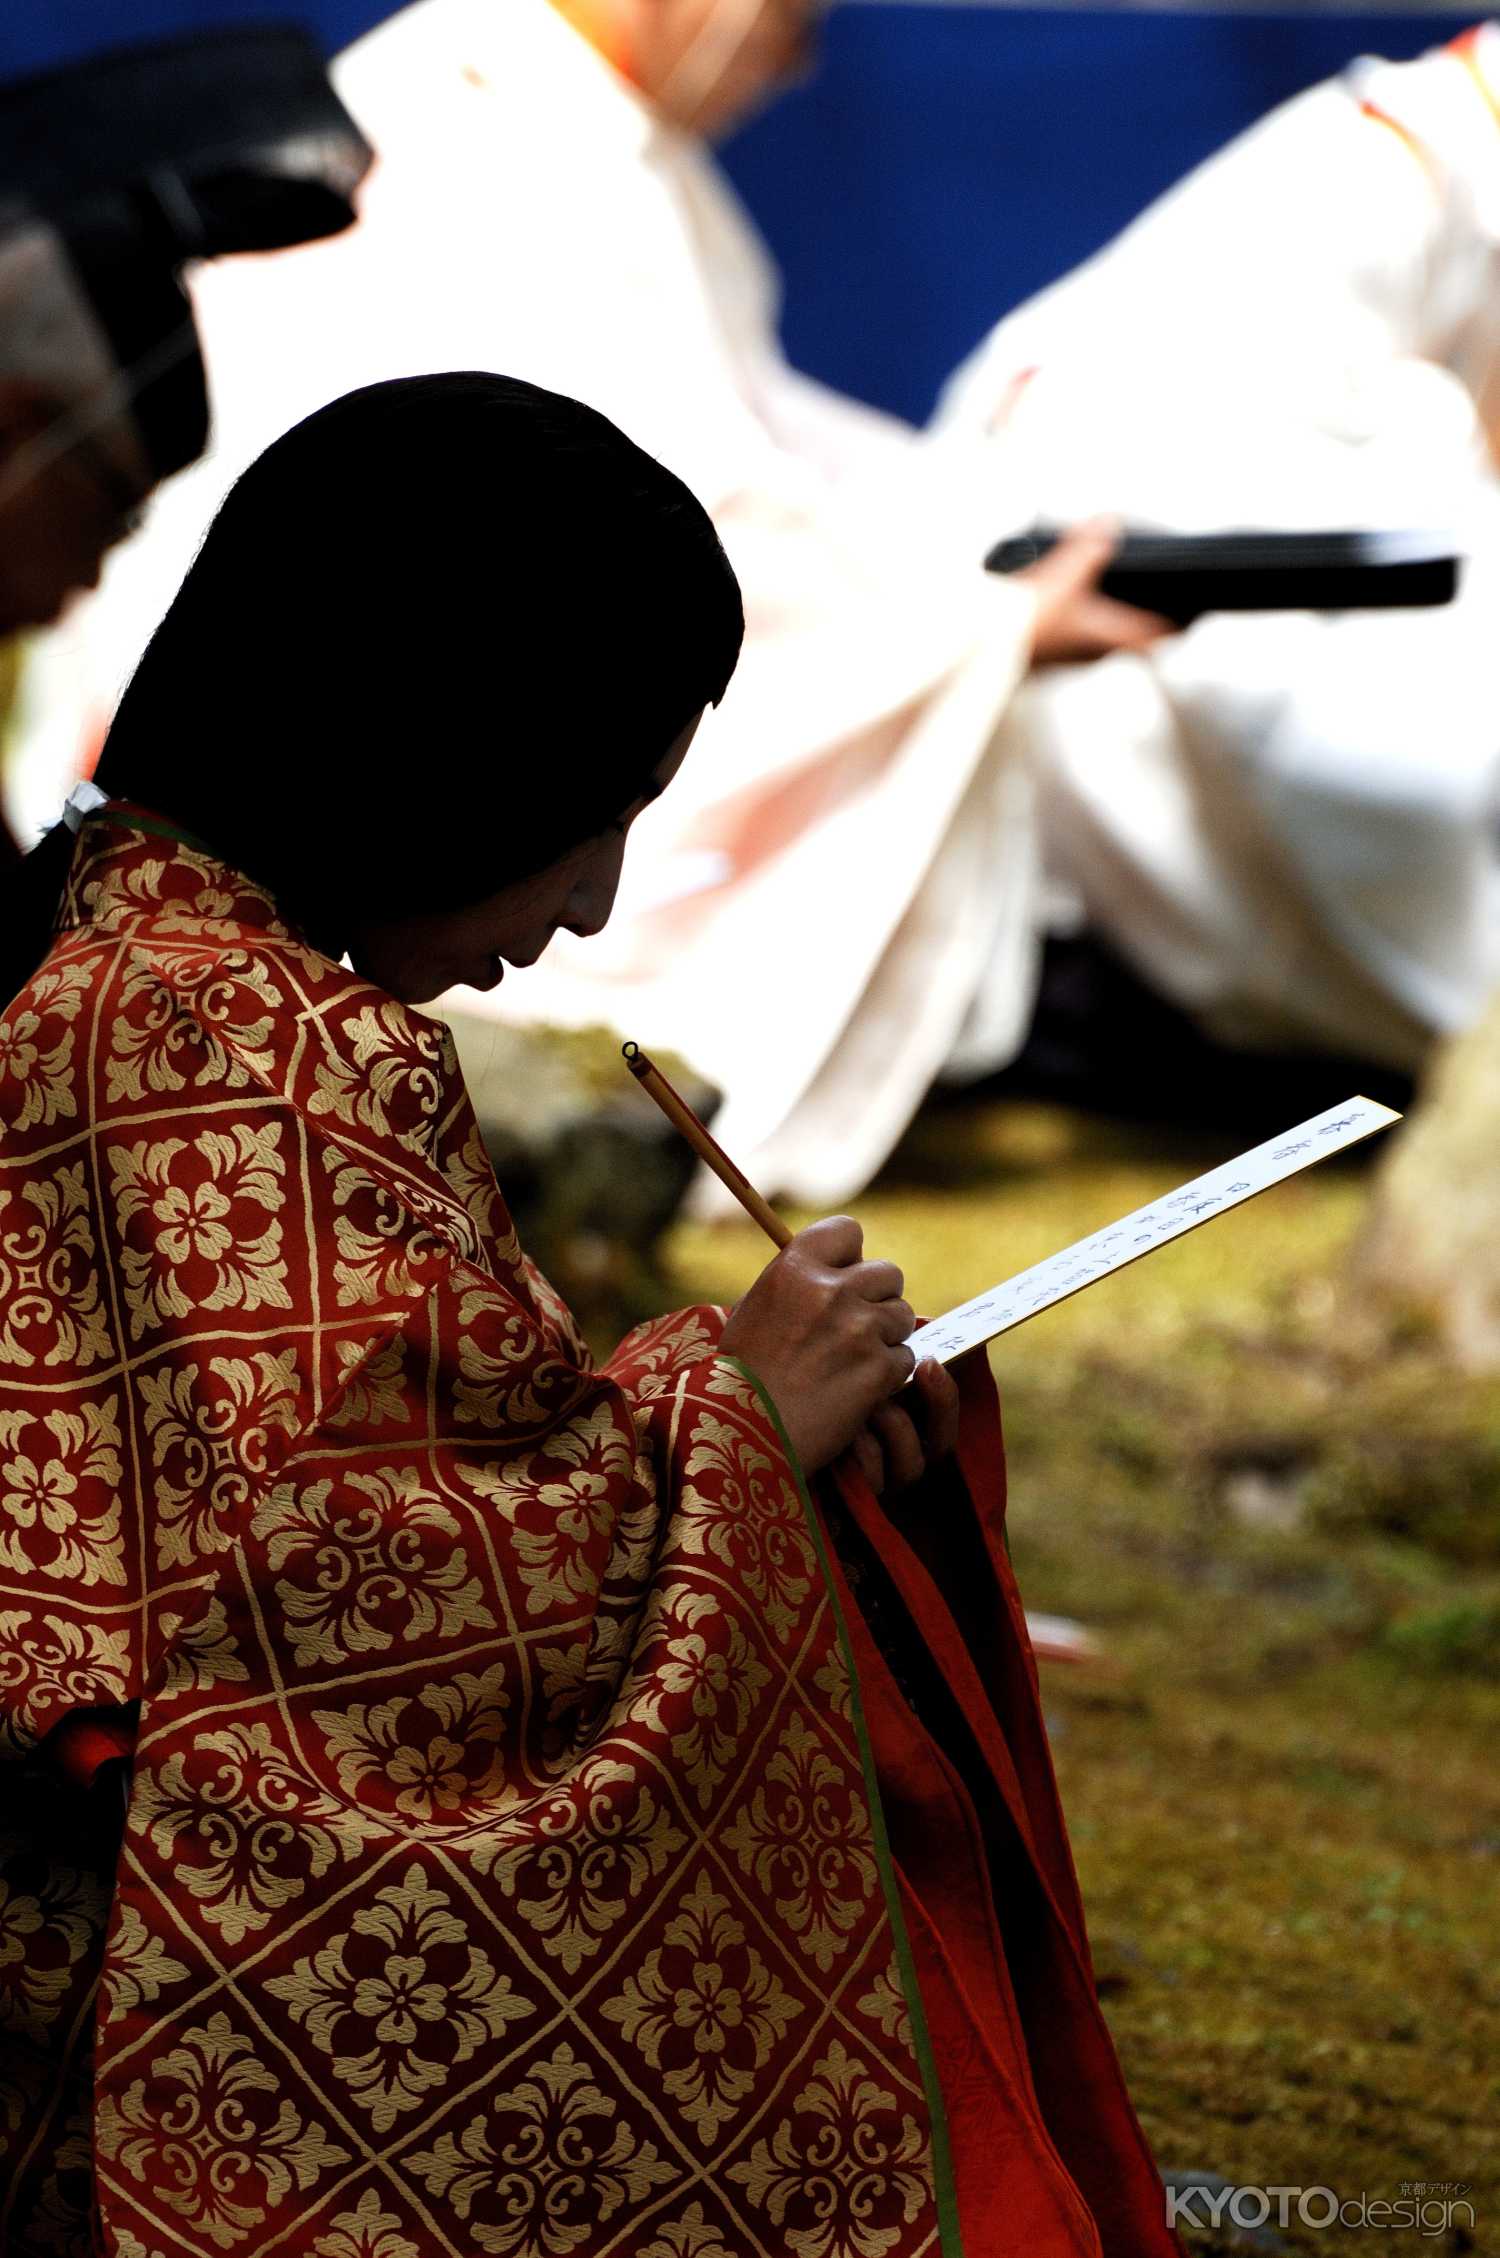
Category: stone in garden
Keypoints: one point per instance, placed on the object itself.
(592, 1171)
(1429, 1255)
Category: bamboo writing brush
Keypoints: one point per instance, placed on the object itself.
(1063, 1274)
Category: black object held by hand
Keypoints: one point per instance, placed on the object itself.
(1181, 576)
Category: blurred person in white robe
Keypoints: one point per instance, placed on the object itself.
(862, 845)
(848, 886)
(1287, 824)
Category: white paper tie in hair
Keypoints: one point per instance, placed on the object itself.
(82, 801)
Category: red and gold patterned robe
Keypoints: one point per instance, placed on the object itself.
(505, 1868)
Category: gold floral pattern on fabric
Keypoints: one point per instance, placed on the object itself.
(367, 2231)
(435, 1754)
(247, 1835)
(560, 1504)
(43, 1935)
(140, 1967)
(659, 1349)
(201, 1651)
(50, 1662)
(832, 1682)
(494, 1849)
(124, 881)
(52, 1314)
(807, 1845)
(554, 1312)
(690, 2236)
(214, 2136)
(184, 1018)
(581, 1868)
(471, 1182)
(747, 1520)
(200, 1219)
(706, 1656)
(36, 1048)
(373, 1562)
(213, 1427)
(389, 1075)
(499, 2174)
(503, 1384)
(887, 2005)
(845, 2170)
(380, 1259)
(705, 2010)
(401, 1999)
(60, 1501)
(370, 1392)
(579, 1683)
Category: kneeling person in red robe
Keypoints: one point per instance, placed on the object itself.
(568, 1809)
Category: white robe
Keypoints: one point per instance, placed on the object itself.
(841, 896)
(1288, 822)
(849, 852)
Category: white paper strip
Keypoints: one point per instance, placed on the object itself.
(1093, 1258)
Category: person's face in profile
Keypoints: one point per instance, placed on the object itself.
(417, 958)
(64, 503)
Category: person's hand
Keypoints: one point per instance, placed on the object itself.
(1073, 620)
(902, 1438)
(823, 1330)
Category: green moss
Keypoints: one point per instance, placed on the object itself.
(1284, 1802)
(1462, 1635)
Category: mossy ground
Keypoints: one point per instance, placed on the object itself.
(1284, 1796)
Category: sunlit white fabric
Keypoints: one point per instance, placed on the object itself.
(1285, 822)
(849, 852)
(1288, 822)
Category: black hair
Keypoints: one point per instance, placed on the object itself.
(441, 631)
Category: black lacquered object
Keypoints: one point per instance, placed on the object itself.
(1183, 575)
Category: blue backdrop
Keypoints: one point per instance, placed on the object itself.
(943, 162)
(946, 161)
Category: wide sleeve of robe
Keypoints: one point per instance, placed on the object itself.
(504, 1867)
(494, 1851)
